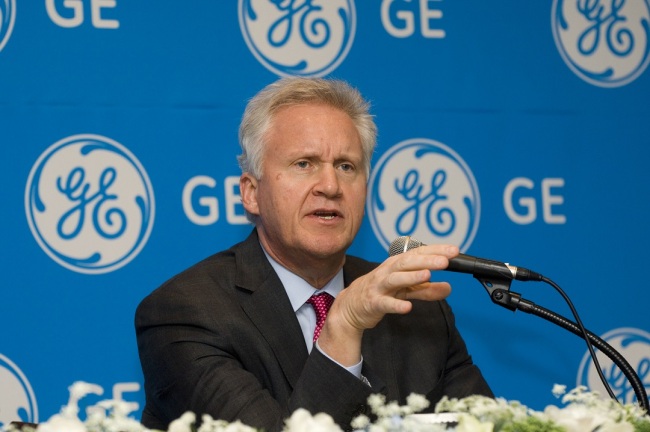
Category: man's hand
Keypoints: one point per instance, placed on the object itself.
(385, 290)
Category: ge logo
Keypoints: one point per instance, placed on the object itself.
(89, 204)
(634, 345)
(7, 18)
(604, 42)
(306, 38)
(17, 401)
(423, 189)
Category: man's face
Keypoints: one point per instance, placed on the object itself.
(311, 195)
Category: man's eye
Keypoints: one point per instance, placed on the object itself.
(346, 167)
(302, 164)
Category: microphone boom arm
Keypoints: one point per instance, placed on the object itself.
(499, 290)
(603, 346)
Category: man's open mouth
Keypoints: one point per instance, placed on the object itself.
(327, 215)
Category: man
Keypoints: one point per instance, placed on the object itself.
(233, 336)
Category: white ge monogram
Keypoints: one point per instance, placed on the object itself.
(423, 189)
(604, 42)
(17, 400)
(89, 204)
(306, 38)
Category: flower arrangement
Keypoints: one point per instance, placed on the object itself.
(583, 411)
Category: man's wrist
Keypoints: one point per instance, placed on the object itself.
(354, 369)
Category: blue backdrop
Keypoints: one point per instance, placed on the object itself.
(524, 123)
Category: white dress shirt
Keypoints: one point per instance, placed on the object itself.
(299, 291)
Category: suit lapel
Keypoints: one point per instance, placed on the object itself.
(265, 302)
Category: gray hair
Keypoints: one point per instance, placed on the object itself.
(291, 91)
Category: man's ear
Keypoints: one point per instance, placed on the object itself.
(248, 192)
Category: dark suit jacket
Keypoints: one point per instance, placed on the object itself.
(222, 338)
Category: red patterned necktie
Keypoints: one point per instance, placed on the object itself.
(321, 304)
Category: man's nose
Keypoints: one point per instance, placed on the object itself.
(328, 183)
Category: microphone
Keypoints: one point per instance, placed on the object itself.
(477, 267)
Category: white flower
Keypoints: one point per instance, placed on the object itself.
(360, 422)
(302, 421)
(601, 416)
(208, 424)
(183, 423)
(240, 427)
(417, 403)
(391, 409)
(558, 390)
(376, 401)
(468, 423)
(79, 390)
(60, 423)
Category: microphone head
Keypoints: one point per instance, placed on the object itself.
(402, 244)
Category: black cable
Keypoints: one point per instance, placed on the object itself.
(604, 347)
(585, 336)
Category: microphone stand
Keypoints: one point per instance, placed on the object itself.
(499, 290)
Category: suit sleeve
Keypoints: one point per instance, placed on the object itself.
(189, 367)
(461, 377)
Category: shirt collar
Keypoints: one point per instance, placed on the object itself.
(298, 289)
